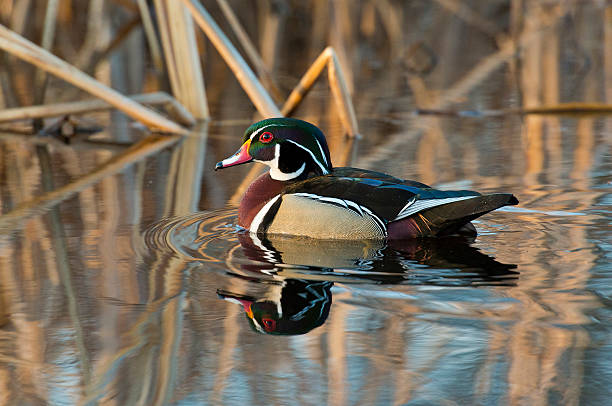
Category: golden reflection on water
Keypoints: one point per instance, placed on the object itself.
(93, 312)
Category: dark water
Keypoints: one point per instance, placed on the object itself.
(137, 289)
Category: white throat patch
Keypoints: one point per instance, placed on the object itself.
(276, 173)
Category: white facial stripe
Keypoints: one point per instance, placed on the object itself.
(261, 129)
(276, 155)
(261, 214)
(325, 171)
(322, 153)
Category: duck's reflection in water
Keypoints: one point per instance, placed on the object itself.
(293, 278)
(295, 306)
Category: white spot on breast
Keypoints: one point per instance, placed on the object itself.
(257, 220)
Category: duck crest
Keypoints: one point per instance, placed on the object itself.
(300, 148)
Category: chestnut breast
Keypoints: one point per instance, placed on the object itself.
(257, 195)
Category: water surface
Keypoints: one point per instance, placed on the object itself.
(138, 289)
(108, 297)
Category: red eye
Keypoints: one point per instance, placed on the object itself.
(266, 137)
(269, 324)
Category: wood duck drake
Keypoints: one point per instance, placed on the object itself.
(304, 195)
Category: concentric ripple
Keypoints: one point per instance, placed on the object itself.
(203, 236)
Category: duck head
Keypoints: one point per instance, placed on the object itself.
(292, 148)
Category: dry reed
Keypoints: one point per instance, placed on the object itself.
(249, 48)
(149, 29)
(22, 275)
(26, 50)
(180, 49)
(243, 73)
(174, 108)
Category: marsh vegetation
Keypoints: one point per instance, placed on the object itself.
(118, 242)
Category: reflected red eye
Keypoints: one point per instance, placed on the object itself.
(269, 324)
(266, 137)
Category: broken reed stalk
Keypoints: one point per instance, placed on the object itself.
(182, 59)
(249, 48)
(258, 94)
(305, 84)
(164, 34)
(341, 94)
(337, 83)
(174, 108)
(148, 146)
(29, 52)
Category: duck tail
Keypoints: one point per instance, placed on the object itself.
(450, 218)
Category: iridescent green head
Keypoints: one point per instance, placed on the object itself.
(292, 149)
